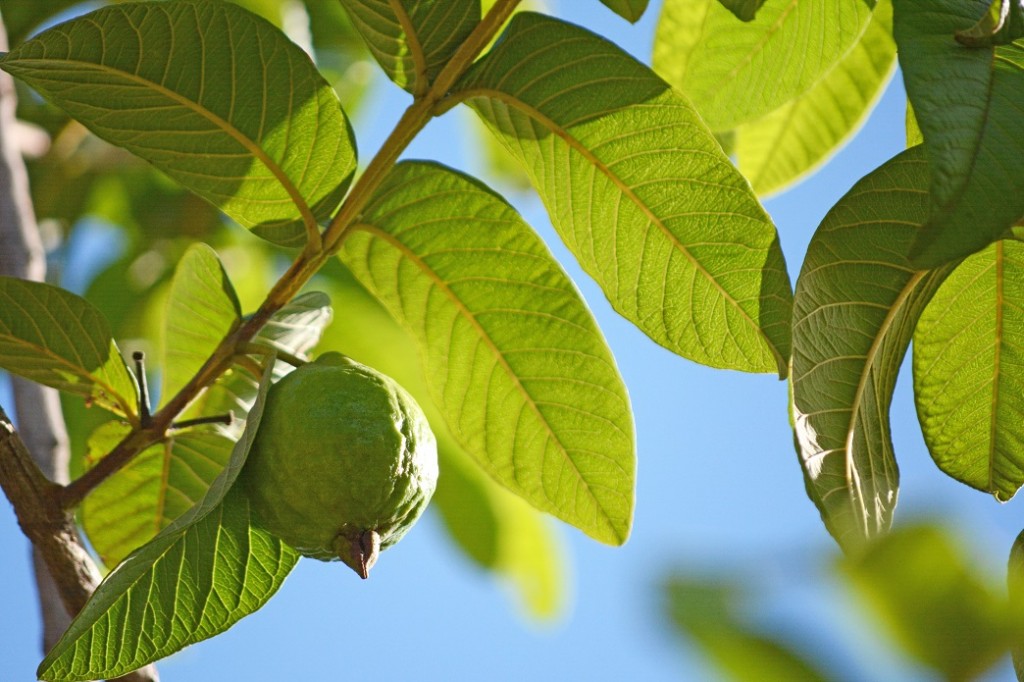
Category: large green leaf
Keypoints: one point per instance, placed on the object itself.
(968, 103)
(202, 308)
(496, 529)
(517, 363)
(196, 578)
(52, 337)
(857, 302)
(212, 95)
(788, 143)
(412, 40)
(640, 191)
(969, 371)
(737, 72)
(631, 10)
(928, 598)
(159, 484)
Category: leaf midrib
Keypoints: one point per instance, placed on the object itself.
(467, 314)
(244, 141)
(550, 124)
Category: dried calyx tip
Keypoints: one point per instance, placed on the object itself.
(365, 548)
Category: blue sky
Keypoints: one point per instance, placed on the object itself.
(719, 490)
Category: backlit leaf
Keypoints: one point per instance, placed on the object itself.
(969, 371)
(157, 486)
(210, 94)
(202, 308)
(640, 191)
(412, 40)
(857, 301)
(780, 148)
(518, 365)
(968, 103)
(736, 72)
(53, 337)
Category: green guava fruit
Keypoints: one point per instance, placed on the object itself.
(343, 463)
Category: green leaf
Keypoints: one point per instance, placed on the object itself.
(294, 329)
(202, 308)
(1001, 24)
(630, 10)
(736, 72)
(50, 336)
(196, 578)
(1015, 588)
(210, 94)
(790, 142)
(968, 383)
(709, 613)
(924, 591)
(413, 40)
(160, 484)
(493, 527)
(640, 191)
(857, 301)
(745, 10)
(517, 363)
(968, 103)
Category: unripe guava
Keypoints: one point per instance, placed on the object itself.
(343, 464)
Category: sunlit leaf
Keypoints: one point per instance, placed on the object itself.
(796, 138)
(413, 40)
(517, 363)
(157, 486)
(924, 591)
(52, 337)
(736, 72)
(968, 103)
(969, 371)
(640, 191)
(212, 95)
(196, 578)
(202, 308)
(857, 301)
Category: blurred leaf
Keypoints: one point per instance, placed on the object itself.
(1015, 588)
(922, 589)
(493, 527)
(737, 72)
(159, 484)
(630, 10)
(969, 371)
(411, 40)
(914, 136)
(196, 578)
(745, 10)
(780, 148)
(21, 18)
(706, 612)
(201, 310)
(640, 191)
(968, 103)
(857, 302)
(50, 336)
(516, 361)
(272, 158)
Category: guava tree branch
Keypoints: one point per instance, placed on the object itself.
(312, 258)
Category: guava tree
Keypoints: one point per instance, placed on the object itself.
(651, 176)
